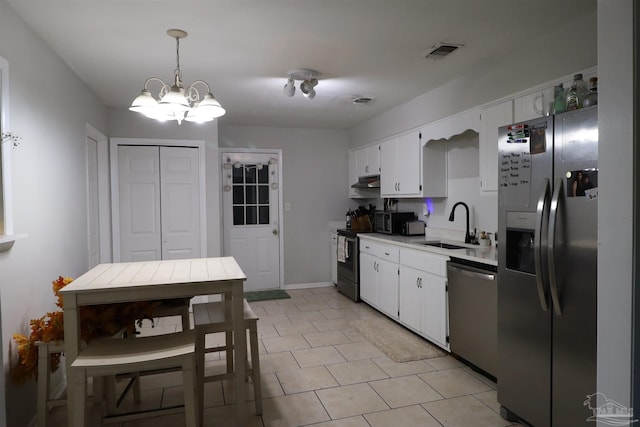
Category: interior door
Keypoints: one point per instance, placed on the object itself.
(251, 228)
(93, 216)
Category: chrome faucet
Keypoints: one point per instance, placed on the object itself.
(467, 235)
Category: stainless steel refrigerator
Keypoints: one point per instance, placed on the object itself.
(547, 268)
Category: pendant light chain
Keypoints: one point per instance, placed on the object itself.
(178, 72)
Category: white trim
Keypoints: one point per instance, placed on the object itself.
(104, 211)
(308, 285)
(115, 199)
(6, 148)
(278, 153)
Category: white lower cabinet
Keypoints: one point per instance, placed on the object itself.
(423, 302)
(379, 276)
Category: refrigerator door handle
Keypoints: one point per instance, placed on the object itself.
(551, 253)
(542, 210)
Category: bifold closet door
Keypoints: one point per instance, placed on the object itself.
(159, 205)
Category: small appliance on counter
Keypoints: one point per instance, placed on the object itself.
(391, 222)
(413, 228)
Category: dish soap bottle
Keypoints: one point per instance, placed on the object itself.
(592, 97)
(576, 93)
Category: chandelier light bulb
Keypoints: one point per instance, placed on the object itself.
(290, 87)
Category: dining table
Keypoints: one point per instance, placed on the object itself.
(121, 282)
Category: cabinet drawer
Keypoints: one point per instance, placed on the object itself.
(431, 263)
(380, 250)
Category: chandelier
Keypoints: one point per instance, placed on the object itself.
(175, 102)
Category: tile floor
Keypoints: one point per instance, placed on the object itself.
(318, 371)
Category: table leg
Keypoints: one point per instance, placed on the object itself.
(240, 353)
(71, 349)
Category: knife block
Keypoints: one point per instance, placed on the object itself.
(361, 224)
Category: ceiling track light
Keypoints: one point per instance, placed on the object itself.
(307, 87)
(175, 102)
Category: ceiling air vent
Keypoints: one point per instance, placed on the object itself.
(442, 50)
(362, 100)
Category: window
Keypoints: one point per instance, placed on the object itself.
(250, 194)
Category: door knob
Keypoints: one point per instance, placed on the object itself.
(274, 232)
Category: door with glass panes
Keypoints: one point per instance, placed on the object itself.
(250, 198)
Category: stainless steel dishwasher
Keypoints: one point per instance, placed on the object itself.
(473, 313)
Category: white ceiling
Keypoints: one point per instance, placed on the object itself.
(245, 48)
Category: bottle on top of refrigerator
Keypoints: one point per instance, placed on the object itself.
(576, 93)
(592, 96)
(558, 99)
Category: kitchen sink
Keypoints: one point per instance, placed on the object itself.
(442, 245)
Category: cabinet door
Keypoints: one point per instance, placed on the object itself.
(368, 276)
(387, 287)
(354, 193)
(388, 167)
(408, 164)
(435, 323)
(373, 159)
(362, 161)
(491, 119)
(410, 298)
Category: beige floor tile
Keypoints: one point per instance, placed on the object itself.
(410, 416)
(454, 382)
(482, 378)
(287, 343)
(446, 362)
(281, 308)
(270, 385)
(404, 391)
(274, 319)
(306, 379)
(358, 371)
(358, 421)
(317, 356)
(295, 328)
(173, 420)
(331, 324)
(267, 331)
(489, 398)
(325, 290)
(347, 401)
(322, 339)
(339, 313)
(293, 410)
(395, 369)
(359, 350)
(277, 362)
(464, 411)
(353, 335)
(339, 300)
(224, 416)
(312, 306)
(305, 316)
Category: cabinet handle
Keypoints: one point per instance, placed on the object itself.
(417, 282)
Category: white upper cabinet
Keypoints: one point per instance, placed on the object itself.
(368, 160)
(400, 166)
(354, 193)
(491, 118)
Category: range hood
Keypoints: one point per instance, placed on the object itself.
(372, 181)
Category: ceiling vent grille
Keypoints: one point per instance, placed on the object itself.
(442, 50)
(362, 100)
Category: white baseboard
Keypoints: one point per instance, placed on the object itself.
(307, 285)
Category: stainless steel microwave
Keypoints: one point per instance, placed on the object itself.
(390, 222)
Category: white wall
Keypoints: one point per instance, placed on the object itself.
(314, 168)
(127, 124)
(49, 109)
(615, 207)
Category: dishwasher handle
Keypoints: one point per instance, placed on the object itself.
(471, 272)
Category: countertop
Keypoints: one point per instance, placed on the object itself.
(482, 254)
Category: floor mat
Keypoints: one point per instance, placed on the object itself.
(266, 295)
(397, 342)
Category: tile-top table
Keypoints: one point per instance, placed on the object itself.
(154, 280)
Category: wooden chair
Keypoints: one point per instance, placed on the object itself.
(214, 317)
(110, 357)
(45, 400)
